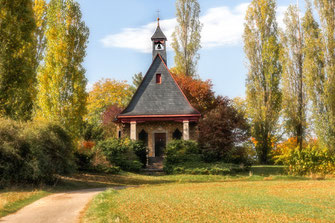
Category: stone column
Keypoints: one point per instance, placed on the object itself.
(186, 130)
(133, 130)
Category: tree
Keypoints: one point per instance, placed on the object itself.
(108, 118)
(263, 92)
(321, 49)
(294, 89)
(199, 93)
(319, 66)
(137, 79)
(17, 59)
(186, 37)
(222, 131)
(105, 93)
(61, 79)
(40, 13)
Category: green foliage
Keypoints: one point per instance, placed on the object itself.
(319, 66)
(202, 168)
(262, 49)
(33, 152)
(312, 159)
(179, 151)
(61, 79)
(17, 59)
(137, 79)
(122, 153)
(52, 147)
(140, 151)
(92, 132)
(187, 36)
(294, 88)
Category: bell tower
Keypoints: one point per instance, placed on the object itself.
(159, 43)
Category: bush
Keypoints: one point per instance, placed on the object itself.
(202, 168)
(178, 151)
(312, 159)
(51, 150)
(13, 153)
(33, 152)
(140, 151)
(119, 152)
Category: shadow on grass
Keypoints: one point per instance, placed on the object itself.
(91, 180)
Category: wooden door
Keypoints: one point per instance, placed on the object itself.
(160, 144)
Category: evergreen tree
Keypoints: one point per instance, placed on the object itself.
(137, 79)
(294, 89)
(263, 92)
(61, 79)
(17, 59)
(186, 37)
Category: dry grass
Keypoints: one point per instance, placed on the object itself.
(236, 201)
(11, 201)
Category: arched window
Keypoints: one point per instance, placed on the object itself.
(177, 134)
(143, 136)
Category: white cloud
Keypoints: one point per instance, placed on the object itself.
(222, 26)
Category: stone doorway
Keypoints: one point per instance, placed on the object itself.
(160, 144)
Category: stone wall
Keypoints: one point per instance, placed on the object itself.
(158, 127)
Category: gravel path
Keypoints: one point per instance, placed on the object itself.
(56, 208)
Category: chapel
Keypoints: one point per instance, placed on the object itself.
(159, 110)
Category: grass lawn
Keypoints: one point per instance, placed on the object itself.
(229, 201)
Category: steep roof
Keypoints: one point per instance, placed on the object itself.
(159, 99)
(158, 34)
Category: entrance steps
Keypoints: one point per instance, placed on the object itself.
(155, 166)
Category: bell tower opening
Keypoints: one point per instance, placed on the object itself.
(159, 43)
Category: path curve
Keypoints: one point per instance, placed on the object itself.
(55, 208)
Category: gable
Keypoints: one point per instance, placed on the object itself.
(165, 98)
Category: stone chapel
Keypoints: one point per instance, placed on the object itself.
(159, 111)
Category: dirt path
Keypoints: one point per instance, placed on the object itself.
(56, 208)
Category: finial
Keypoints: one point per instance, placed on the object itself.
(158, 17)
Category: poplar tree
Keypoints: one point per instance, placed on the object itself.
(320, 69)
(40, 11)
(17, 59)
(294, 89)
(187, 37)
(61, 79)
(263, 92)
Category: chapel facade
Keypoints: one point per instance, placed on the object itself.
(159, 111)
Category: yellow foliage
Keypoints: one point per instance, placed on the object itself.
(107, 92)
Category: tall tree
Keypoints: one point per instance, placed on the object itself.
(263, 92)
(186, 37)
(61, 80)
(17, 58)
(294, 89)
(320, 68)
(40, 12)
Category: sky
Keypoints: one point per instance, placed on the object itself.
(120, 39)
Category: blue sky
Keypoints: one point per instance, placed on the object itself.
(120, 32)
